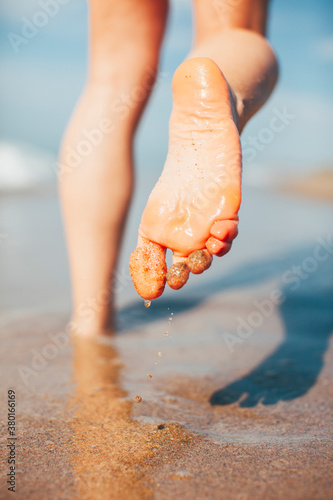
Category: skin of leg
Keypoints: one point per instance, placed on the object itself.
(237, 44)
(213, 16)
(230, 56)
(96, 167)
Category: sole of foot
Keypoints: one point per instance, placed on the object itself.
(193, 208)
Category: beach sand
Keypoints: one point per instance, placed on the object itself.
(316, 185)
(251, 421)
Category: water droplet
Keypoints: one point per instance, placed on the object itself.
(147, 303)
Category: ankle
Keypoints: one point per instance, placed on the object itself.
(94, 324)
(88, 329)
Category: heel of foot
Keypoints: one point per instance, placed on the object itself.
(199, 77)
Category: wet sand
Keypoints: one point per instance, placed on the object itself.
(318, 185)
(252, 423)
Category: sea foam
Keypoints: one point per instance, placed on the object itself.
(24, 167)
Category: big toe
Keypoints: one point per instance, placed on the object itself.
(148, 269)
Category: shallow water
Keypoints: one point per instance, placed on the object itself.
(212, 423)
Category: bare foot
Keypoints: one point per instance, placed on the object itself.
(193, 208)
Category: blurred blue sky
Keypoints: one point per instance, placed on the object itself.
(40, 84)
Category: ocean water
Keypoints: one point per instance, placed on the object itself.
(23, 166)
(44, 73)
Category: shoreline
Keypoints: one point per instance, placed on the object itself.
(250, 424)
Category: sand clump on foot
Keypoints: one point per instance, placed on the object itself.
(177, 275)
(148, 269)
(199, 261)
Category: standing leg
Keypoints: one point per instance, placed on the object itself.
(96, 171)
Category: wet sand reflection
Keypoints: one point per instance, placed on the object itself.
(113, 455)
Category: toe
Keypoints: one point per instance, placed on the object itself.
(217, 247)
(178, 273)
(224, 250)
(148, 269)
(199, 261)
(224, 230)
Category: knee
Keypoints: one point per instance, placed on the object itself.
(126, 42)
